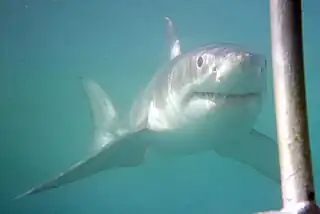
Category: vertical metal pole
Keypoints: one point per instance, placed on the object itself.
(291, 111)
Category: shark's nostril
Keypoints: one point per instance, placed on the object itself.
(214, 69)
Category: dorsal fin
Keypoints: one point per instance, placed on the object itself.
(173, 40)
(105, 117)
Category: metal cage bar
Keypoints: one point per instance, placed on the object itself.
(290, 102)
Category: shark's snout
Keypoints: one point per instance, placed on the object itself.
(252, 75)
(238, 73)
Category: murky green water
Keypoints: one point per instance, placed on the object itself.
(45, 122)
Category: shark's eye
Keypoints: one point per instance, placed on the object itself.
(199, 62)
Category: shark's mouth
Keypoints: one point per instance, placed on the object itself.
(213, 95)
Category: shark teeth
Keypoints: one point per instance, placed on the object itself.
(221, 95)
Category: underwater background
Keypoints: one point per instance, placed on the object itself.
(45, 119)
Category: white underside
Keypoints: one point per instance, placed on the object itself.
(226, 119)
(180, 127)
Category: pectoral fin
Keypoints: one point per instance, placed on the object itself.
(256, 150)
(126, 151)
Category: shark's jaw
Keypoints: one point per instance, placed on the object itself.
(222, 95)
(221, 108)
(207, 114)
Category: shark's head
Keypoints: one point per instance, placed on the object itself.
(227, 70)
(221, 85)
(224, 81)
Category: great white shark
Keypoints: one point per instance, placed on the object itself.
(206, 99)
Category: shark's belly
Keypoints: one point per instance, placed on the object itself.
(200, 127)
(193, 141)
